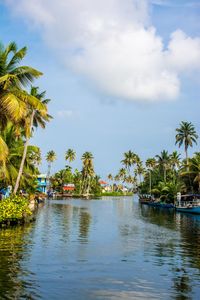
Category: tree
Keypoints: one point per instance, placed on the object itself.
(50, 158)
(110, 178)
(150, 164)
(15, 144)
(87, 171)
(129, 159)
(122, 174)
(70, 155)
(13, 99)
(163, 161)
(186, 134)
(34, 117)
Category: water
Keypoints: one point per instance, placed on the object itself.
(106, 249)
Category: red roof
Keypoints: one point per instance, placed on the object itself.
(102, 182)
(68, 188)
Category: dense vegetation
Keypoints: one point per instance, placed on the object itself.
(22, 108)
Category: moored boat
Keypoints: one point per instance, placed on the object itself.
(188, 203)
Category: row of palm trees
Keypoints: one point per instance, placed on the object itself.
(164, 172)
(22, 109)
(86, 181)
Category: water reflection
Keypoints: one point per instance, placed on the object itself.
(14, 248)
(101, 249)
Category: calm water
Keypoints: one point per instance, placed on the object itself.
(101, 249)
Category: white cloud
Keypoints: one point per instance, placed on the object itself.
(112, 43)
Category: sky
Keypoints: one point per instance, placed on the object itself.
(121, 75)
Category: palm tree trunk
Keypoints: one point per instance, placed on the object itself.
(150, 181)
(88, 187)
(186, 156)
(164, 174)
(48, 176)
(23, 157)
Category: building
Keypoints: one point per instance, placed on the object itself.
(42, 183)
(70, 187)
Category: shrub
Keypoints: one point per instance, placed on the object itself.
(14, 208)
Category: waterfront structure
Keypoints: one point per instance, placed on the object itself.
(42, 183)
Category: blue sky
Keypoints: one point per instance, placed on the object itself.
(88, 66)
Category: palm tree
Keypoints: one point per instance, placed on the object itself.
(110, 178)
(70, 155)
(174, 162)
(140, 170)
(9, 173)
(129, 159)
(50, 158)
(150, 164)
(186, 134)
(163, 161)
(122, 174)
(35, 117)
(13, 77)
(87, 171)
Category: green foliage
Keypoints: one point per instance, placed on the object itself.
(14, 208)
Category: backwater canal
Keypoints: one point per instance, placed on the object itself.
(101, 250)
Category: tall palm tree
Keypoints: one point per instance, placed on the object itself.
(70, 155)
(13, 78)
(122, 174)
(150, 164)
(186, 134)
(129, 159)
(140, 170)
(163, 161)
(87, 171)
(110, 178)
(35, 117)
(50, 158)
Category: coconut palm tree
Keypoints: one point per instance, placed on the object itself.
(140, 170)
(122, 174)
(87, 171)
(163, 162)
(50, 158)
(110, 178)
(129, 159)
(70, 155)
(35, 117)
(186, 134)
(150, 164)
(15, 143)
(13, 78)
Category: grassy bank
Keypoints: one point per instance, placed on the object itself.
(115, 194)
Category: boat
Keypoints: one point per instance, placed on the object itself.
(150, 201)
(188, 203)
(145, 199)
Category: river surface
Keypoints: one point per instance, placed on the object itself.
(106, 249)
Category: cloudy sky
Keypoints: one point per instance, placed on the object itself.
(121, 74)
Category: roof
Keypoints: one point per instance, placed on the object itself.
(102, 182)
(42, 176)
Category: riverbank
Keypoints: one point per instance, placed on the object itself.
(90, 196)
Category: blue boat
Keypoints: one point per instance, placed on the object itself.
(188, 203)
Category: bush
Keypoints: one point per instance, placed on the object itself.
(14, 208)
